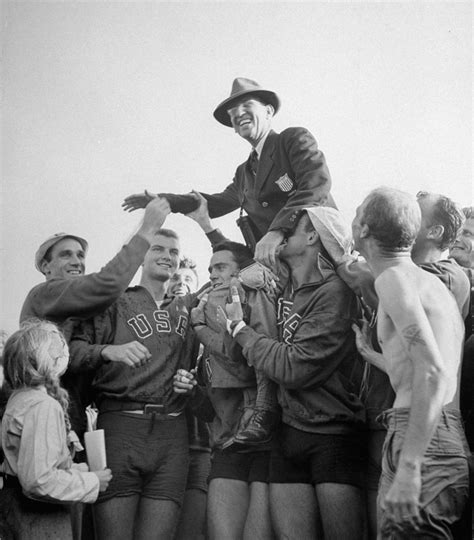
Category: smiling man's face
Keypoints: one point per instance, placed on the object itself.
(66, 260)
(162, 259)
(463, 249)
(251, 119)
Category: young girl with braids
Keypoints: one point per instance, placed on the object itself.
(36, 435)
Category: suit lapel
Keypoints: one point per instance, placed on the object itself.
(266, 160)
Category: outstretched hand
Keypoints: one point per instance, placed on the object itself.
(137, 200)
(153, 218)
(201, 214)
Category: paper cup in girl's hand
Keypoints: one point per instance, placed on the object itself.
(95, 448)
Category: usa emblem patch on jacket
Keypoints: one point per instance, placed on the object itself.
(285, 183)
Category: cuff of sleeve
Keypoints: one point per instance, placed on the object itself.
(97, 353)
(198, 327)
(98, 349)
(215, 236)
(246, 263)
(180, 203)
(238, 328)
(93, 483)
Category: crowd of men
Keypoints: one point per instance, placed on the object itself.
(311, 389)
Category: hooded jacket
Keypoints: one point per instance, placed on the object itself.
(314, 360)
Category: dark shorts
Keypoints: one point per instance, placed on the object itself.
(199, 468)
(444, 474)
(246, 466)
(315, 458)
(375, 440)
(147, 456)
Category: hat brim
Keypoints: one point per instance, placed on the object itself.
(221, 115)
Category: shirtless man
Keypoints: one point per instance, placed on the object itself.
(420, 332)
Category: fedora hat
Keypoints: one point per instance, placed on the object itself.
(244, 87)
(52, 241)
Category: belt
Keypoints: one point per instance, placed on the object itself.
(110, 405)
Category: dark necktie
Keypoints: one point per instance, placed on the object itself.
(253, 163)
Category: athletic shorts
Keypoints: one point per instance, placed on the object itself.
(246, 466)
(444, 476)
(315, 458)
(148, 456)
(199, 468)
(375, 440)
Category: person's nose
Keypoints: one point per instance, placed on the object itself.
(165, 255)
(238, 111)
(75, 261)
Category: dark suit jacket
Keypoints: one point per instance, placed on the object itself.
(292, 173)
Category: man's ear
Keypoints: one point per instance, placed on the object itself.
(435, 232)
(270, 110)
(364, 231)
(45, 267)
(312, 238)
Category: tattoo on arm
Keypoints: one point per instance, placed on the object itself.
(412, 335)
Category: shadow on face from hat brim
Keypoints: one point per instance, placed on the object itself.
(266, 96)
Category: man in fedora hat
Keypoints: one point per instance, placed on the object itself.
(284, 172)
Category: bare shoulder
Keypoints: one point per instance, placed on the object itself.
(405, 277)
(407, 289)
(397, 280)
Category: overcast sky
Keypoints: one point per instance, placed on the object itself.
(101, 100)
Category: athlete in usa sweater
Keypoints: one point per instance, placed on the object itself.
(139, 343)
(163, 331)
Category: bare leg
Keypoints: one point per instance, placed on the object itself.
(156, 518)
(294, 511)
(342, 511)
(228, 502)
(192, 524)
(76, 520)
(114, 519)
(54, 526)
(372, 513)
(258, 524)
